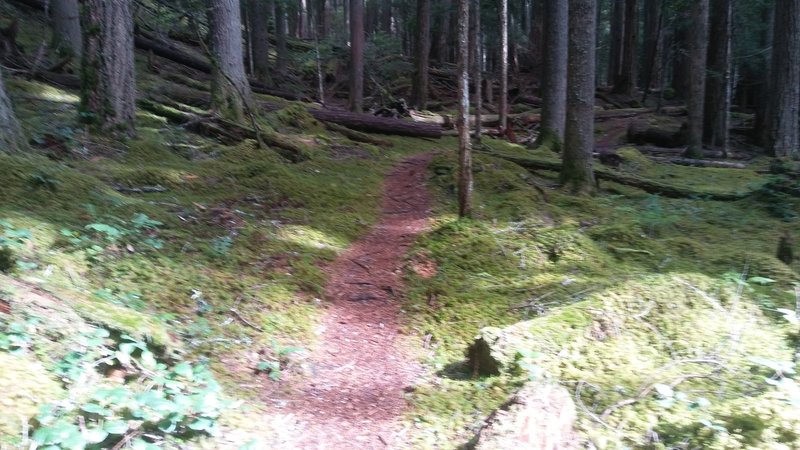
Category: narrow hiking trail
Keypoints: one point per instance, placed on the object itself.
(354, 395)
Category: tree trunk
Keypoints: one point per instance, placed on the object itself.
(108, 86)
(681, 49)
(11, 137)
(784, 99)
(281, 50)
(356, 55)
(419, 92)
(577, 173)
(697, 87)
(259, 20)
(67, 26)
(464, 150)
(615, 42)
(653, 24)
(537, 34)
(626, 78)
(230, 90)
(554, 74)
(503, 103)
(385, 19)
(718, 80)
(476, 48)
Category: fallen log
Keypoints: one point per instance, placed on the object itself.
(357, 136)
(374, 124)
(677, 151)
(650, 186)
(641, 132)
(229, 133)
(699, 162)
(145, 41)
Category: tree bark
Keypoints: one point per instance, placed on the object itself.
(554, 74)
(356, 55)
(464, 146)
(230, 89)
(615, 41)
(626, 78)
(698, 42)
(536, 37)
(67, 25)
(783, 138)
(476, 47)
(654, 25)
(281, 50)
(577, 173)
(259, 20)
(503, 103)
(108, 86)
(385, 19)
(718, 81)
(419, 92)
(11, 137)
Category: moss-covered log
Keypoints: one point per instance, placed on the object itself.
(653, 187)
(357, 136)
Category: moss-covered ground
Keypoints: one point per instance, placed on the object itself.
(667, 318)
(227, 228)
(619, 291)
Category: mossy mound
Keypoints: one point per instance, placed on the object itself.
(641, 354)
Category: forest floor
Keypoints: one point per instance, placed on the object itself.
(360, 370)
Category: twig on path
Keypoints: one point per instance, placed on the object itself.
(241, 318)
(360, 264)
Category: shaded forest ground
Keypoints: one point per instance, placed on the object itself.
(217, 254)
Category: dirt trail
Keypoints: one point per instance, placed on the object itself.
(355, 394)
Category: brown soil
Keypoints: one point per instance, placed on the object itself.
(354, 395)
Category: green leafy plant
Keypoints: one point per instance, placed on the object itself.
(12, 239)
(158, 402)
(16, 337)
(97, 237)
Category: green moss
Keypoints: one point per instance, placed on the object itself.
(24, 386)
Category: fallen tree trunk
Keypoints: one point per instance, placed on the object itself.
(677, 151)
(229, 133)
(145, 41)
(357, 136)
(699, 162)
(641, 132)
(650, 186)
(375, 124)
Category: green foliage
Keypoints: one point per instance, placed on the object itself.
(16, 337)
(178, 401)
(276, 360)
(777, 199)
(140, 231)
(12, 239)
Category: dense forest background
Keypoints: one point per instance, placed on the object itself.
(399, 224)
